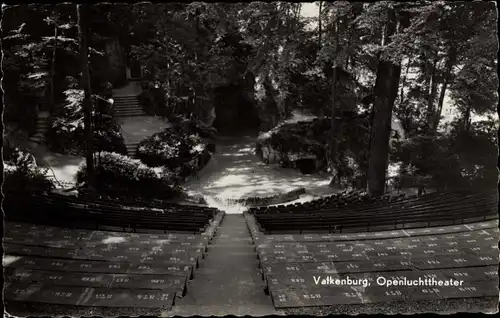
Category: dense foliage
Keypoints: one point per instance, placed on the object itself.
(122, 175)
(21, 172)
(181, 148)
(309, 138)
(414, 62)
(66, 133)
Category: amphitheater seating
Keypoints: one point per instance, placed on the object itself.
(333, 201)
(61, 210)
(141, 202)
(379, 213)
(101, 270)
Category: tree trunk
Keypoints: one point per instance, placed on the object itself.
(386, 87)
(431, 96)
(333, 121)
(403, 84)
(447, 76)
(85, 84)
(52, 72)
(467, 119)
(320, 24)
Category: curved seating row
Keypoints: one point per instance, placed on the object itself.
(336, 200)
(55, 209)
(437, 208)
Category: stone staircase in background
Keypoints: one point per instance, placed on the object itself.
(131, 148)
(127, 106)
(134, 122)
(42, 124)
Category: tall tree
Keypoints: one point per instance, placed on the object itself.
(85, 84)
(386, 87)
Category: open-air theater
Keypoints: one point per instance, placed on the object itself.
(210, 159)
(99, 252)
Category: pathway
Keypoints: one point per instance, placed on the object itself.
(63, 167)
(136, 129)
(234, 171)
(228, 281)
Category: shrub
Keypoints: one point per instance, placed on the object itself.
(66, 134)
(122, 175)
(109, 138)
(22, 174)
(454, 160)
(180, 148)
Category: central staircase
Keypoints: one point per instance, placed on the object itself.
(127, 106)
(131, 148)
(135, 123)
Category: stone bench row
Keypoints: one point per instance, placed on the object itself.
(88, 266)
(374, 222)
(80, 216)
(416, 208)
(84, 296)
(420, 261)
(464, 239)
(358, 267)
(285, 297)
(176, 283)
(173, 254)
(365, 236)
(54, 232)
(100, 243)
(478, 245)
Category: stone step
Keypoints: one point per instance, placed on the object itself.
(129, 115)
(127, 107)
(130, 111)
(126, 102)
(37, 140)
(242, 247)
(125, 97)
(122, 110)
(136, 114)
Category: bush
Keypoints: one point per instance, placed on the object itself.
(68, 138)
(456, 160)
(66, 134)
(180, 148)
(118, 174)
(109, 138)
(22, 174)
